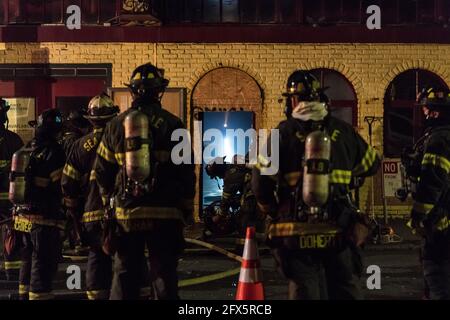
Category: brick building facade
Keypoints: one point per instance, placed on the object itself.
(261, 63)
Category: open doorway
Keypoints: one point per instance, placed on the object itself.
(226, 123)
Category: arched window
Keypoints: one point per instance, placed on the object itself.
(224, 98)
(343, 101)
(402, 120)
(227, 89)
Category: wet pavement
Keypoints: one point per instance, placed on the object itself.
(399, 265)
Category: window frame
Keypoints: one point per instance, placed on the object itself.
(417, 116)
(341, 103)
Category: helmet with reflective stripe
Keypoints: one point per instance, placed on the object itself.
(434, 98)
(304, 85)
(101, 108)
(148, 81)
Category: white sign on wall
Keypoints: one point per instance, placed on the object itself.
(392, 177)
(22, 110)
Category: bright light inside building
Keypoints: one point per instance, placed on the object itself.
(228, 150)
(225, 125)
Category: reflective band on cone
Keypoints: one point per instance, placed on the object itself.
(250, 286)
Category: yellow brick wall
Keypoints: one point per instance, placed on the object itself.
(369, 67)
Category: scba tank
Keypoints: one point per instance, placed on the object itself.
(317, 169)
(137, 150)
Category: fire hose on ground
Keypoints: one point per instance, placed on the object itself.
(181, 283)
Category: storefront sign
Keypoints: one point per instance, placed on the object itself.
(22, 110)
(392, 178)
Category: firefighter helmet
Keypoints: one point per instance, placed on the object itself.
(101, 108)
(147, 81)
(434, 98)
(304, 85)
(48, 124)
(216, 168)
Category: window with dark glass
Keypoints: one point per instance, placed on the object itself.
(267, 11)
(107, 10)
(89, 11)
(211, 11)
(408, 11)
(230, 10)
(426, 11)
(248, 11)
(402, 119)
(34, 10)
(312, 12)
(343, 101)
(173, 10)
(333, 10)
(53, 11)
(351, 10)
(193, 10)
(3, 6)
(444, 12)
(288, 11)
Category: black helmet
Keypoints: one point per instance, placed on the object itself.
(4, 108)
(434, 98)
(48, 124)
(101, 109)
(304, 85)
(216, 167)
(147, 81)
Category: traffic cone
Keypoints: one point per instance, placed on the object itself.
(250, 286)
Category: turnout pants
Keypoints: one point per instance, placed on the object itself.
(12, 260)
(165, 243)
(40, 255)
(332, 275)
(99, 265)
(436, 265)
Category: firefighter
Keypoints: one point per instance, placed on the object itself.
(429, 215)
(10, 142)
(315, 231)
(35, 190)
(151, 195)
(75, 126)
(236, 182)
(78, 165)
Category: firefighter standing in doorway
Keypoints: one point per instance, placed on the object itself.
(236, 182)
(88, 222)
(430, 171)
(35, 191)
(315, 230)
(10, 142)
(152, 196)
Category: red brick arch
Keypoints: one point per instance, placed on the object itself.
(227, 89)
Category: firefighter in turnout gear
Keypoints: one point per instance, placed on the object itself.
(88, 223)
(35, 191)
(430, 212)
(10, 142)
(236, 182)
(315, 231)
(75, 126)
(152, 195)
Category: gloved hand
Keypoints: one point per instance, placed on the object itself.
(360, 229)
(73, 215)
(358, 234)
(417, 223)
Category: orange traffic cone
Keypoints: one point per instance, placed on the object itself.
(250, 285)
